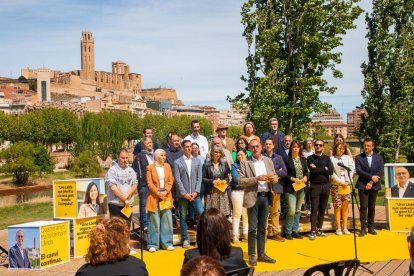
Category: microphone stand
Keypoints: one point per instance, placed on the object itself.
(353, 196)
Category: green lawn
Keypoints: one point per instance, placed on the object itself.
(25, 213)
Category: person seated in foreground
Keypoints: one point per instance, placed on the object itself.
(108, 252)
(213, 240)
(202, 266)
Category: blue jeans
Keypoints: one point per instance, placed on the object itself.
(257, 217)
(143, 194)
(183, 207)
(294, 201)
(160, 229)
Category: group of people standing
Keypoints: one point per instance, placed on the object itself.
(245, 179)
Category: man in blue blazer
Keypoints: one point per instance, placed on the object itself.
(18, 257)
(370, 168)
(188, 177)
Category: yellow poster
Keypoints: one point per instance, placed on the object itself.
(81, 230)
(401, 213)
(54, 248)
(64, 193)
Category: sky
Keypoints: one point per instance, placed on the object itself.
(195, 47)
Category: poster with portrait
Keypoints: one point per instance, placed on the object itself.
(399, 185)
(38, 244)
(79, 198)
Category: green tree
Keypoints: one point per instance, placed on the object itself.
(19, 161)
(290, 45)
(234, 132)
(389, 79)
(5, 124)
(86, 165)
(43, 160)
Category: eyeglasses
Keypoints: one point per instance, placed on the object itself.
(318, 145)
(255, 146)
(20, 236)
(401, 173)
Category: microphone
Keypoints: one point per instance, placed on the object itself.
(343, 166)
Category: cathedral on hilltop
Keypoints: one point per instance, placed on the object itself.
(87, 82)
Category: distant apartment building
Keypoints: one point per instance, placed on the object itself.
(232, 117)
(138, 106)
(190, 111)
(354, 120)
(332, 121)
(210, 113)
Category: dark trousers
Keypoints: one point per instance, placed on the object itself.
(367, 199)
(257, 217)
(143, 194)
(319, 200)
(115, 211)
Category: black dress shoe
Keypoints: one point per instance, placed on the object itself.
(372, 231)
(288, 236)
(362, 233)
(252, 260)
(297, 235)
(266, 259)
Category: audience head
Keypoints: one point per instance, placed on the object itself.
(174, 141)
(255, 148)
(92, 193)
(339, 149)
(186, 146)
(160, 156)
(147, 132)
(221, 131)
(287, 140)
(216, 153)
(215, 140)
(195, 126)
(269, 145)
(241, 144)
(213, 234)
(195, 149)
(147, 143)
(308, 144)
(241, 155)
(273, 124)
(295, 148)
(123, 157)
(369, 146)
(202, 266)
(108, 242)
(248, 128)
(338, 138)
(319, 144)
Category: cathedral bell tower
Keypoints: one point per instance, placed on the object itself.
(87, 56)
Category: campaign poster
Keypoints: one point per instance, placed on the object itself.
(399, 180)
(401, 214)
(24, 247)
(79, 198)
(54, 248)
(81, 229)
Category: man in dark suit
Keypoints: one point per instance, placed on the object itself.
(404, 187)
(283, 150)
(18, 257)
(188, 177)
(370, 168)
(256, 175)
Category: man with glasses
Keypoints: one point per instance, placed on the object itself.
(256, 175)
(320, 167)
(273, 132)
(404, 187)
(18, 256)
(370, 168)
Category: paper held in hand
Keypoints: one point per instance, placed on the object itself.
(166, 204)
(127, 211)
(298, 186)
(344, 190)
(221, 185)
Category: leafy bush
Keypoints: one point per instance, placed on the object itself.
(86, 165)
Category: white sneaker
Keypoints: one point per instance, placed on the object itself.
(132, 252)
(170, 248)
(339, 232)
(152, 250)
(346, 232)
(186, 244)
